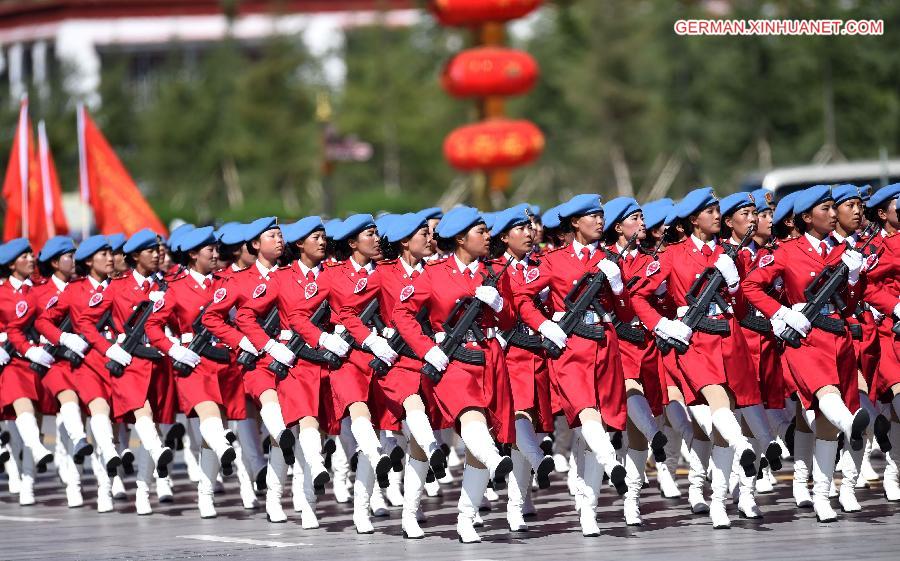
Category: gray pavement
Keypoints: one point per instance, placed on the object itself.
(49, 530)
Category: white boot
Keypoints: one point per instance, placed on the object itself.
(592, 479)
(362, 490)
(164, 490)
(393, 493)
(303, 497)
(101, 430)
(699, 463)
(721, 460)
(823, 473)
(479, 442)
(530, 448)
(209, 469)
(276, 475)
(852, 460)
(726, 423)
(340, 471)
(803, 455)
(104, 484)
(160, 455)
(31, 438)
(370, 446)
(474, 483)
(377, 504)
(26, 489)
(414, 474)
(891, 470)
(142, 482)
(519, 480)
(245, 482)
(74, 498)
(311, 447)
(635, 464)
(747, 507)
(665, 471)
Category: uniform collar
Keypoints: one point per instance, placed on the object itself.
(235, 268)
(515, 262)
(95, 284)
(591, 247)
(829, 241)
(202, 280)
(305, 270)
(471, 267)
(60, 285)
(409, 270)
(711, 243)
(16, 284)
(265, 272)
(370, 266)
(840, 239)
(621, 251)
(139, 278)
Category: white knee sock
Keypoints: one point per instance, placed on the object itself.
(677, 414)
(478, 441)
(597, 439)
(213, 434)
(272, 418)
(420, 428)
(101, 428)
(833, 408)
(311, 446)
(528, 444)
(366, 439)
(758, 422)
(29, 431)
(724, 421)
(642, 416)
(251, 444)
(146, 431)
(703, 416)
(70, 414)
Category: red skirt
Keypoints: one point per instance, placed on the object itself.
(642, 362)
(92, 379)
(764, 354)
(162, 388)
(142, 381)
(200, 386)
(19, 381)
(351, 383)
(529, 378)
(589, 375)
(231, 388)
(824, 359)
(868, 350)
(328, 420)
(59, 378)
(401, 381)
(888, 372)
(298, 393)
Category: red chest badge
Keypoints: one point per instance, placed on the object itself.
(531, 275)
(407, 292)
(652, 268)
(766, 260)
(21, 308)
(310, 290)
(871, 262)
(219, 295)
(95, 299)
(158, 305)
(360, 285)
(259, 290)
(51, 302)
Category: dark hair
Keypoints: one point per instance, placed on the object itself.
(391, 250)
(552, 235)
(497, 246)
(250, 249)
(799, 223)
(871, 212)
(6, 271)
(45, 268)
(446, 245)
(565, 225)
(342, 250)
(610, 236)
(82, 269)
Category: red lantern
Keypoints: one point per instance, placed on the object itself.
(473, 12)
(488, 71)
(499, 143)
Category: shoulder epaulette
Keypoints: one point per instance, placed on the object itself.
(389, 261)
(332, 263)
(436, 262)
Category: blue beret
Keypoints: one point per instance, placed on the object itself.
(510, 218)
(383, 222)
(884, 194)
(141, 240)
(332, 227)
(404, 225)
(734, 202)
(56, 246)
(489, 219)
(12, 249)
(763, 198)
(258, 226)
(695, 201)
(457, 221)
(550, 218)
(655, 212)
(579, 205)
(353, 225)
(116, 241)
(176, 234)
(535, 210)
(198, 237)
(672, 215)
(810, 197)
(301, 228)
(230, 233)
(866, 191)
(432, 212)
(844, 192)
(617, 210)
(784, 207)
(91, 246)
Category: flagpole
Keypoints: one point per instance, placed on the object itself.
(43, 154)
(23, 161)
(82, 172)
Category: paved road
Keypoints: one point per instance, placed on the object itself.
(49, 530)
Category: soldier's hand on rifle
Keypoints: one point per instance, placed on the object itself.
(674, 329)
(118, 354)
(380, 348)
(854, 262)
(490, 296)
(38, 355)
(4, 357)
(334, 343)
(729, 271)
(185, 355)
(794, 319)
(436, 357)
(280, 352)
(246, 345)
(613, 275)
(552, 331)
(74, 343)
(778, 327)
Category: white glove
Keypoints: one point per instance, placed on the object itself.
(74, 343)
(897, 311)
(380, 348)
(552, 331)
(794, 320)
(119, 355)
(334, 343)
(503, 342)
(729, 271)
(280, 352)
(185, 355)
(246, 345)
(38, 355)
(674, 329)
(613, 275)
(854, 262)
(436, 357)
(156, 295)
(490, 296)
(876, 315)
(4, 357)
(778, 327)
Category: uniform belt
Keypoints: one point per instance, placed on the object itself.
(714, 310)
(590, 317)
(489, 333)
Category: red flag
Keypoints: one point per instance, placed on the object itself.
(54, 216)
(117, 203)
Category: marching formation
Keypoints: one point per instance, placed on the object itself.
(592, 338)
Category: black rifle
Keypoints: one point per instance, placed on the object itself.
(700, 299)
(624, 331)
(297, 345)
(821, 292)
(469, 312)
(10, 350)
(753, 321)
(63, 352)
(134, 338)
(368, 313)
(202, 345)
(271, 325)
(587, 288)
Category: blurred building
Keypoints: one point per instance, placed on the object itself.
(38, 37)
